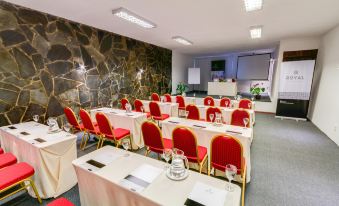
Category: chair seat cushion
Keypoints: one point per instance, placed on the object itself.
(120, 133)
(202, 152)
(15, 173)
(163, 116)
(61, 202)
(7, 159)
(1, 151)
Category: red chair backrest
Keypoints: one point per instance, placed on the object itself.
(152, 135)
(208, 99)
(180, 100)
(212, 110)
(193, 112)
(86, 120)
(184, 139)
(168, 97)
(155, 97)
(225, 102)
(245, 104)
(123, 103)
(104, 124)
(137, 105)
(71, 117)
(154, 109)
(226, 150)
(238, 116)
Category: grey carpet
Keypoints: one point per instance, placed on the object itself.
(293, 164)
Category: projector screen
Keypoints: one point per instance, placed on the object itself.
(254, 67)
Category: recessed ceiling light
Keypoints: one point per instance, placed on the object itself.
(182, 40)
(253, 5)
(132, 17)
(255, 32)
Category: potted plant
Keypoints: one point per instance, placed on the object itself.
(256, 90)
(181, 88)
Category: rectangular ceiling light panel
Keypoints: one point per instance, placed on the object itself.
(255, 32)
(253, 5)
(133, 18)
(182, 40)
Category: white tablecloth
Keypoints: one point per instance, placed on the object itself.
(205, 135)
(165, 108)
(120, 119)
(51, 160)
(102, 187)
(200, 101)
(226, 114)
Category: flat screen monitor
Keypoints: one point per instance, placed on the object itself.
(218, 65)
(253, 67)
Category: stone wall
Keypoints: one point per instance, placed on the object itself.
(41, 58)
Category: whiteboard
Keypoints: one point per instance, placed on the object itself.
(193, 75)
(254, 67)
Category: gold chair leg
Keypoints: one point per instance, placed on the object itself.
(243, 188)
(99, 142)
(86, 140)
(31, 182)
(102, 142)
(82, 140)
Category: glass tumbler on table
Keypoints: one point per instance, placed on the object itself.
(36, 119)
(126, 145)
(166, 155)
(246, 121)
(230, 172)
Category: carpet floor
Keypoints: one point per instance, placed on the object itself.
(293, 164)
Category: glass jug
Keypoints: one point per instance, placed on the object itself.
(179, 165)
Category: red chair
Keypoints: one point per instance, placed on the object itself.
(156, 113)
(168, 97)
(245, 104)
(181, 101)
(107, 132)
(61, 202)
(225, 102)
(212, 110)
(155, 97)
(209, 101)
(15, 176)
(138, 105)
(7, 159)
(185, 140)
(123, 103)
(89, 128)
(72, 120)
(153, 138)
(225, 150)
(193, 112)
(1, 151)
(238, 116)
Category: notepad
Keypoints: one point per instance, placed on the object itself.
(141, 177)
(203, 194)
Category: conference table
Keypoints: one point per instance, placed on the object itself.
(170, 108)
(112, 176)
(50, 154)
(121, 119)
(205, 131)
(226, 114)
(200, 101)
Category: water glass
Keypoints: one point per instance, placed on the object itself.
(246, 121)
(166, 155)
(125, 144)
(211, 116)
(36, 118)
(209, 102)
(67, 127)
(186, 114)
(230, 172)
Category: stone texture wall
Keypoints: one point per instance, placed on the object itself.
(40, 66)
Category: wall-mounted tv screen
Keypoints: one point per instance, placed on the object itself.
(253, 67)
(218, 65)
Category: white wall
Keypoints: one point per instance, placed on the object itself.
(180, 65)
(324, 112)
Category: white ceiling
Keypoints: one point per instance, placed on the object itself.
(213, 25)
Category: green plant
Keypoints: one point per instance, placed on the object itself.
(256, 89)
(181, 88)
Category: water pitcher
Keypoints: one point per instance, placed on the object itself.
(179, 164)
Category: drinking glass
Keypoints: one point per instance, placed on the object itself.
(125, 144)
(249, 105)
(246, 121)
(252, 98)
(142, 109)
(193, 94)
(211, 116)
(236, 97)
(36, 119)
(167, 153)
(209, 102)
(67, 127)
(111, 104)
(220, 96)
(230, 172)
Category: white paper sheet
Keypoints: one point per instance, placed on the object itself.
(106, 158)
(208, 195)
